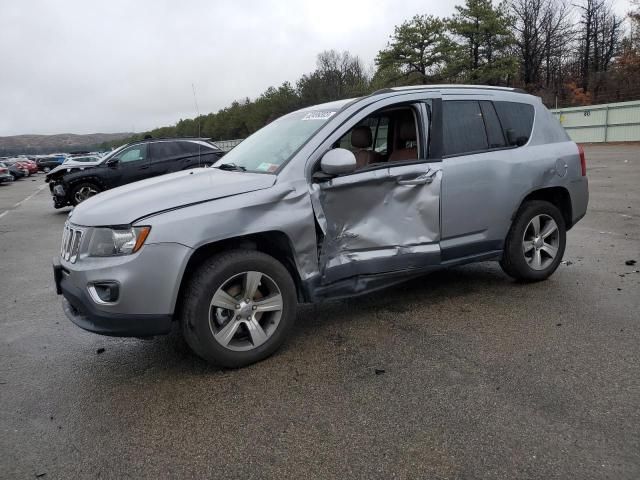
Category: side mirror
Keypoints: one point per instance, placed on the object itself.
(113, 162)
(338, 161)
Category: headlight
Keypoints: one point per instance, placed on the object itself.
(106, 242)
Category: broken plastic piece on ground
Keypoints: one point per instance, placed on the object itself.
(100, 350)
(630, 262)
(379, 371)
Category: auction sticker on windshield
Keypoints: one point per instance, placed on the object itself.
(267, 167)
(320, 115)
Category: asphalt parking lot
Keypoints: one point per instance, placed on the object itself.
(461, 374)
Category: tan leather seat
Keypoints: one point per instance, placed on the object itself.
(361, 140)
(406, 133)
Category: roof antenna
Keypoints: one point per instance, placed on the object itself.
(195, 100)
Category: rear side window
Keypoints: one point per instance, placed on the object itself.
(165, 150)
(517, 121)
(492, 124)
(463, 127)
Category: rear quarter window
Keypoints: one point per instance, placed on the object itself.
(516, 120)
(193, 148)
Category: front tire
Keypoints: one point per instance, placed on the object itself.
(82, 191)
(536, 242)
(239, 307)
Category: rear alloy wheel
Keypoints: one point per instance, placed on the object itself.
(83, 191)
(536, 242)
(540, 242)
(238, 308)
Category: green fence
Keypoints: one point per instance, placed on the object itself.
(611, 122)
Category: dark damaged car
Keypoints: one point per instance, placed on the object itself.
(74, 181)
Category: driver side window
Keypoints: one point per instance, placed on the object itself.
(133, 154)
(385, 136)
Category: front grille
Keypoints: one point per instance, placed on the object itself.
(70, 243)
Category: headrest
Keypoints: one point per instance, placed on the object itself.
(407, 131)
(361, 137)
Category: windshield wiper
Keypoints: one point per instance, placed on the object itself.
(231, 167)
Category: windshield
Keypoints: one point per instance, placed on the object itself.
(273, 145)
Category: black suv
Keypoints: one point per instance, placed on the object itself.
(71, 184)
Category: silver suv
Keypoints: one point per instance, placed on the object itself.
(330, 201)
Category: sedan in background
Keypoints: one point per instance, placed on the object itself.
(49, 162)
(5, 175)
(17, 168)
(30, 164)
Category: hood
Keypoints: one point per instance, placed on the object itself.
(72, 165)
(124, 205)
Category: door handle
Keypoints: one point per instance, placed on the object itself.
(144, 167)
(424, 179)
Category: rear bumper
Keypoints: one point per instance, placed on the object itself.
(81, 310)
(579, 192)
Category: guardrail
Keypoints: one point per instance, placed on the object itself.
(610, 122)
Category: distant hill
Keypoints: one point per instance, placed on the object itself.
(64, 142)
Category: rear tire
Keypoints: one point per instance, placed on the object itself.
(239, 307)
(536, 242)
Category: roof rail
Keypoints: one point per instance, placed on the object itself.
(206, 139)
(448, 86)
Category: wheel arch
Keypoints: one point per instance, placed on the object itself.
(558, 196)
(274, 243)
(76, 179)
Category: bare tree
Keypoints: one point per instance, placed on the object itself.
(599, 40)
(559, 35)
(337, 75)
(543, 31)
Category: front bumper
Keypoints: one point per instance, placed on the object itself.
(148, 292)
(59, 195)
(79, 308)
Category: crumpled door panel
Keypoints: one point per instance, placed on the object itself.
(372, 224)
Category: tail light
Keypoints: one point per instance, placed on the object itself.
(583, 161)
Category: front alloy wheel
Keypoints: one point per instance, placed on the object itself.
(84, 192)
(238, 308)
(245, 311)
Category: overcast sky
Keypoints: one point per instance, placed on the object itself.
(81, 66)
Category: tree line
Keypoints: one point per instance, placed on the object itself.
(568, 54)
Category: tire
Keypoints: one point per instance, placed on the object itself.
(533, 250)
(46, 169)
(82, 191)
(213, 332)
